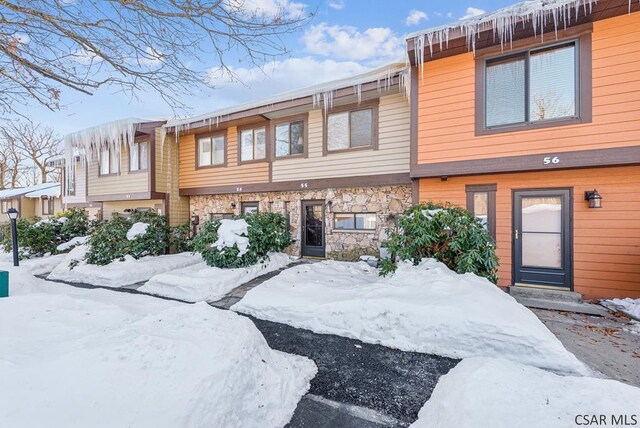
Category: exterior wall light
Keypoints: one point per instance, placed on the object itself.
(233, 205)
(594, 198)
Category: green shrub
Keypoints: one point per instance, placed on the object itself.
(76, 224)
(180, 238)
(34, 239)
(267, 232)
(449, 234)
(109, 241)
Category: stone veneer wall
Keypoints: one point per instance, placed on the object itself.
(341, 245)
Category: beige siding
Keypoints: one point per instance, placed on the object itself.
(81, 186)
(392, 155)
(123, 183)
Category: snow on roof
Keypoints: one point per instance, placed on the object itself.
(322, 92)
(49, 192)
(503, 22)
(19, 191)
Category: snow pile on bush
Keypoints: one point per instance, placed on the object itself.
(629, 306)
(201, 282)
(74, 268)
(114, 359)
(74, 242)
(486, 392)
(137, 229)
(233, 232)
(425, 308)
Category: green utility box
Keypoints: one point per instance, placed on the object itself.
(4, 283)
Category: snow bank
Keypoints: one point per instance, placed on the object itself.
(426, 308)
(201, 282)
(74, 242)
(42, 265)
(233, 232)
(137, 229)
(486, 392)
(629, 306)
(78, 358)
(118, 274)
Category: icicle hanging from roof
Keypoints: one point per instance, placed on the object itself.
(503, 22)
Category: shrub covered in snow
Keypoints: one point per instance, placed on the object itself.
(109, 241)
(180, 238)
(451, 235)
(266, 232)
(46, 236)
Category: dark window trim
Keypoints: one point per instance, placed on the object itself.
(490, 190)
(304, 118)
(372, 104)
(355, 228)
(49, 203)
(222, 216)
(118, 161)
(222, 134)
(66, 183)
(582, 38)
(249, 204)
(138, 141)
(267, 138)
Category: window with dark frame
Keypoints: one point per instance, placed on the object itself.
(253, 144)
(220, 216)
(108, 162)
(6, 205)
(289, 138)
(211, 150)
(354, 221)
(71, 184)
(47, 206)
(350, 129)
(481, 201)
(532, 86)
(249, 207)
(139, 156)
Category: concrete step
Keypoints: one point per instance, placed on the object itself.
(556, 305)
(545, 294)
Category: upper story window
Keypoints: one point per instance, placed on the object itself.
(71, 184)
(253, 144)
(108, 162)
(211, 150)
(533, 86)
(289, 138)
(350, 129)
(139, 156)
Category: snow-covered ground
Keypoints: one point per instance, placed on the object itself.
(118, 274)
(426, 308)
(487, 392)
(629, 306)
(76, 358)
(201, 282)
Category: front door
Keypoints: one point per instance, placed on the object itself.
(542, 237)
(313, 228)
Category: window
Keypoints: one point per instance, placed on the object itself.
(354, 221)
(108, 162)
(532, 86)
(350, 129)
(71, 184)
(220, 216)
(47, 206)
(249, 207)
(253, 144)
(139, 156)
(211, 150)
(481, 201)
(289, 138)
(6, 205)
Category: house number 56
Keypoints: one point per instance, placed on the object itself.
(549, 160)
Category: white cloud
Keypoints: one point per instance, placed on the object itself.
(290, 9)
(415, 17)
(347, 43)
(337, 4)
(473, 11)
(449, 14)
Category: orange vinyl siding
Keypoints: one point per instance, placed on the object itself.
(232, 174)
(446, 111)
(606, 241)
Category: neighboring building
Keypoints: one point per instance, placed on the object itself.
(522, 132)
(333, 158)
(123, 165)
(40, 200)
(74, 186)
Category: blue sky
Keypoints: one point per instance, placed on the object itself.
(345, 37)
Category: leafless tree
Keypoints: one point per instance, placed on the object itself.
(30, 147)
(161, 46)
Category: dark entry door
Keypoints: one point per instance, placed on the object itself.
(313, 228)
(542, 237)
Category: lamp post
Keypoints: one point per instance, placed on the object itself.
(13, 215)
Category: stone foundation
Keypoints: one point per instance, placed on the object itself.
(385, 201)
